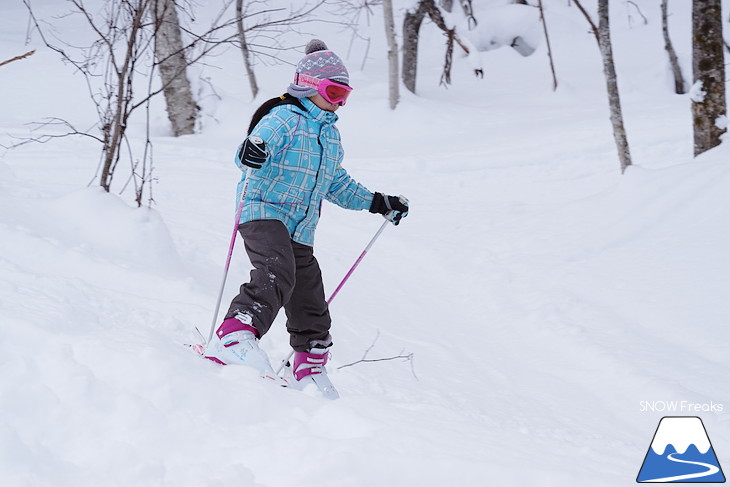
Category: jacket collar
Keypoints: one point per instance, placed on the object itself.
(317, 114)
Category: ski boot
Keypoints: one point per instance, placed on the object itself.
(236, 343)
(309, 368)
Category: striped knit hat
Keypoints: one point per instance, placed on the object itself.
(319, 63)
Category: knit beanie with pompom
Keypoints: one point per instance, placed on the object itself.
(319, 63)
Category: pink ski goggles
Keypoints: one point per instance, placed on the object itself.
(332, 91)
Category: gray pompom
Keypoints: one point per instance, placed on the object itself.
(315, 45)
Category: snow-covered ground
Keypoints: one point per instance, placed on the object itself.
(543, 295)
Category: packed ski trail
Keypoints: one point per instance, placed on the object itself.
(541, 294)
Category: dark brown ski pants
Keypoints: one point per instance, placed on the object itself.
(286, 274)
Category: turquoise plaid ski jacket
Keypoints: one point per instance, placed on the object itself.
(303, 168)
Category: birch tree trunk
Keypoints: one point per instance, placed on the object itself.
(708, 71)
(244, 49)
(181, 108)
(679, 86)
(393, 78)
(609, 71)
(602, 33)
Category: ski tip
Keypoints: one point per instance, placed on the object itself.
(330, 393)
(326, 388)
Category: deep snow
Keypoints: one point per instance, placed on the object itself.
(542, 294)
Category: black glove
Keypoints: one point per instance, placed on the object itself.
(252, 152)
(392, 207)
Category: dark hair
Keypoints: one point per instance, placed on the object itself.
(265, 108)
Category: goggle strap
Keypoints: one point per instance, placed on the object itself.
(306, 80)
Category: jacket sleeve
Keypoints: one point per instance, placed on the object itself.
(348, 193)
(276, 129)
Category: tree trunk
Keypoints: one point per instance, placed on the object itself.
(602, 34)
(708, 71)
(609, 71)
(181, 108)
(679, 87)
(411, 28)
(244, 49)
(393, 78)
(547, 42)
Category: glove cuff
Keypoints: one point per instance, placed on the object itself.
(378, 204)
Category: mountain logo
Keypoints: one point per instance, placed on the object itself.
(681, 452)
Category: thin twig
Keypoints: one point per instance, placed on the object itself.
(42, 139)
(18, 58)
(408, 357)
(646, 21)
(363, 361)
(588, 17)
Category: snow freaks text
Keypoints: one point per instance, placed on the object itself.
(680, 407)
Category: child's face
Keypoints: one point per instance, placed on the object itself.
(324, 104)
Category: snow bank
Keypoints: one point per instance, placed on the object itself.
(502, 26)
(98, 223)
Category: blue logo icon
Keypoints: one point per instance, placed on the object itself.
(681, 452)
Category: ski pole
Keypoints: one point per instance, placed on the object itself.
(344, 280)
(357, 262)
(230, 253)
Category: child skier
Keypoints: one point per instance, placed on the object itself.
(292, 156)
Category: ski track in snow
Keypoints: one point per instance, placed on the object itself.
(541, 293)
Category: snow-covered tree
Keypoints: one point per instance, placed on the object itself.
(411, 30)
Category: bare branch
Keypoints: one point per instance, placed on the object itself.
(588, 17)
(646, 21)
(44, 138)
(18, 58)
(102, 37)
(364, 359)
